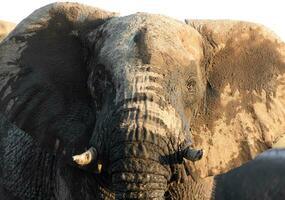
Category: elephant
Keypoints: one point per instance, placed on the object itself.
(5, 28)
(244, 106)
(100, 106)
(261, 178)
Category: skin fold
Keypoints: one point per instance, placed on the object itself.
(97, 106)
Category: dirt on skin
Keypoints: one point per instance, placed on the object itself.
(280, 142)
(5, 28)
(244, 106)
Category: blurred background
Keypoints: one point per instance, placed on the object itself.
(269, 13)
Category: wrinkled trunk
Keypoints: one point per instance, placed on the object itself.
(143, 135)
(139, 166)
(145, 182)
(136, 159)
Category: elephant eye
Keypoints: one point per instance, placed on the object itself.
(100, 83)
(191, 84)
(102, 77)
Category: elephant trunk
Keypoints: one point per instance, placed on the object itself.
(145, 182)
(136, 170)
(137, 155)
(142, 130)
(147, 131)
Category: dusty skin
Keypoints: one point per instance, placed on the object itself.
(243, 112)
(142, 91)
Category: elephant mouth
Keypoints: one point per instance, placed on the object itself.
(138, 170)
(142, 151)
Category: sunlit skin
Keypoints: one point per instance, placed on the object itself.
(97, 105)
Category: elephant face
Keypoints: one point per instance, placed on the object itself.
(147, 82)
(140, 49)
(126, 91)
(124, 87)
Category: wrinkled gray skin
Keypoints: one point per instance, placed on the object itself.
(74, 77)
(261, 178)
(149, 124)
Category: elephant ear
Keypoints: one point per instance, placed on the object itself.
(27, 171)
(244, 108)
(43, 76)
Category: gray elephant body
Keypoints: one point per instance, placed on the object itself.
(262, 178)
(129, 88)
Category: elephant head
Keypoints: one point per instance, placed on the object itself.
(126, 88)
(121, 93)
(152, 87)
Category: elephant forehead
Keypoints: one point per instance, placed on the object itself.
(150, 39)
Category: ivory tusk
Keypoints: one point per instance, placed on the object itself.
(99, 169)
(85, 158)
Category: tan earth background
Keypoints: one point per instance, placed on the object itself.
(5, 28)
